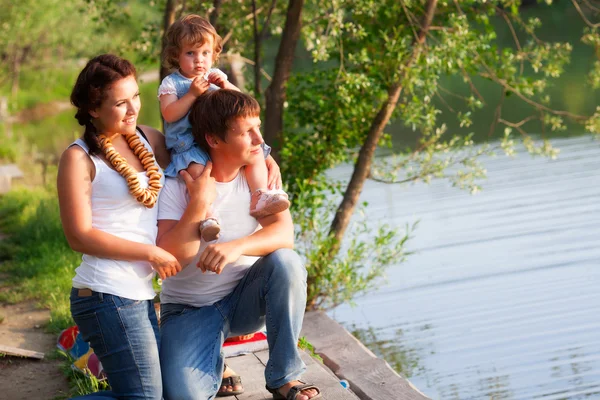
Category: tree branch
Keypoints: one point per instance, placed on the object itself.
(539, 106)
(588, 23)
(514, 34)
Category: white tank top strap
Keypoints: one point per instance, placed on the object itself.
(98, 163)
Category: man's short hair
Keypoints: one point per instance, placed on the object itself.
(213, 112)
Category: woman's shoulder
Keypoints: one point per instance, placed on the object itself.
(157, 142)
(75, 151)
(75, 158)
(153, 135)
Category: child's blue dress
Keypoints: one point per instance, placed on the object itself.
(179, 138)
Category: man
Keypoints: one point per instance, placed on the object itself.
(248, 278)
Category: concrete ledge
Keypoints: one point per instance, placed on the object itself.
(370, 378)
(7, 174)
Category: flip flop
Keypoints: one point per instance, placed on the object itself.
(294, 392)
(232, 381)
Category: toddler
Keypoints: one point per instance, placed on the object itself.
(192, 46)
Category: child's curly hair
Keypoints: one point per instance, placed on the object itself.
(189, 29)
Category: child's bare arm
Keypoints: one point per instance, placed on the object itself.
(173, 109)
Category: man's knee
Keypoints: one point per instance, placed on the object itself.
(189, 385)
(287, 265)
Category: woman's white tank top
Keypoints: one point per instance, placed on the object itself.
(117, 212)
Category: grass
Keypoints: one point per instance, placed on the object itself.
(38, 264)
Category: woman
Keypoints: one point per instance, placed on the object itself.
(108, 183)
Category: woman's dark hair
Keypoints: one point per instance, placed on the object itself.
(99, 74)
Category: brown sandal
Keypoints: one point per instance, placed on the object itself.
(232, 381)
(294, 392)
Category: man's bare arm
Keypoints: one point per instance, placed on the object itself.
(277, 233)
(181, 238)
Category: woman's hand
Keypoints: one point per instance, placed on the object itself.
(202, 189)
(164, 263)
(274, 179)
(216, 256)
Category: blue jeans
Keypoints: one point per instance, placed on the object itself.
(273, 291)
(124, 336)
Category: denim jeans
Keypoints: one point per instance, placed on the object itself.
(124, 336)
(272, 292)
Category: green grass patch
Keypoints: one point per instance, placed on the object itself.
(38, 263)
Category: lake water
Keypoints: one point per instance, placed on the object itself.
(502, 298)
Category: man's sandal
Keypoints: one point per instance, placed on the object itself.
(294, 392)
(232, 381)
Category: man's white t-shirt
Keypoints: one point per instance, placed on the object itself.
(231, 207)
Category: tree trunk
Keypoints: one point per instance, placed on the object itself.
(367, 151)
(168, 19)
(215, 13)
(275, 94)
(257, 59)
(235, 70)
(15, 72)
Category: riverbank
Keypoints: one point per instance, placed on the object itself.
(369, 377)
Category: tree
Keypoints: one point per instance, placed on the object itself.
(379, 61)
(392, 56)
(30, 29)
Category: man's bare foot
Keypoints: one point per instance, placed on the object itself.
(224, 390)
(306, 394)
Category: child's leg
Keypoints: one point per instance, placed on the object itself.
(264, 201)
(257, 176)
(209, 228)
(195, 170)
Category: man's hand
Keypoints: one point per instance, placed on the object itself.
(216, 256)
(274, 179)
(199, 85)
(203, 188)
(164, 263)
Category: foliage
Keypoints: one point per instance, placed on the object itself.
(304, 344)
(375, 46)
(80, 384)
(49, 38)
(358, 268)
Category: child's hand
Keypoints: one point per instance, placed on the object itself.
(218, 79)
(199, 86)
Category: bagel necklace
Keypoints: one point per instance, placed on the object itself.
(149, 195)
